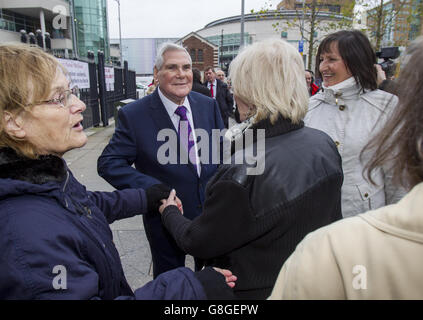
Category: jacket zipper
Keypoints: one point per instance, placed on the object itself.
(99, 243)
(64, 187)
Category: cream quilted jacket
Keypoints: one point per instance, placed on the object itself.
(376, 255)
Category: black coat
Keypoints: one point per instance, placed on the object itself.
(252, 223)
(200, 88)
(225, 100)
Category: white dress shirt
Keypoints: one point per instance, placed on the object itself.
(214, 88)
(171, 108)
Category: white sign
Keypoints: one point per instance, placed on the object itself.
(78, 72)
(110, 78)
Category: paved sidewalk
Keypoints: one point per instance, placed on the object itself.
(128, 234)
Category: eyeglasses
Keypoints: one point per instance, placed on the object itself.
(62, 100)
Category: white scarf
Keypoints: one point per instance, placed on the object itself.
(341, 85)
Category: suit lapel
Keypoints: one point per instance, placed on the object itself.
(159, 114)
(199, 117)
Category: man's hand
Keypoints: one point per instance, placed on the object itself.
(380, 74)
(156, 193)
(172, 200)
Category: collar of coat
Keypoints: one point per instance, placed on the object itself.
(278, 128)
(37, 171)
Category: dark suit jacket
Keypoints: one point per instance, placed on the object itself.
(135, 142)
(225, 100)
(198, 87)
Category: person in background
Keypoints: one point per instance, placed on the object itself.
(312, 88)
(219, 91)
(197, 86)
(350, 109)
(384, 84)
(151, 87)
(220, 74)
(55, 238)
(375, 255)
(172, 107)
(255, 215)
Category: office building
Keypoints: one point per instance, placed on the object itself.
(52, 16)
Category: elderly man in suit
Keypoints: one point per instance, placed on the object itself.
(221, 93)
(172, 106)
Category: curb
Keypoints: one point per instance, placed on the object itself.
(93, 130)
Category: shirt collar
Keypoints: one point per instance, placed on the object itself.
(171, 106)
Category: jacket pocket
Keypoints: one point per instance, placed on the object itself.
(372, 196)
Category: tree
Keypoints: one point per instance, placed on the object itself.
(395, 16)
(314, 16)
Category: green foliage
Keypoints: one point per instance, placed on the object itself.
(309, 21)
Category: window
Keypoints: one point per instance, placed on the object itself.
(200, 56)
(192, 54)
(284, 34)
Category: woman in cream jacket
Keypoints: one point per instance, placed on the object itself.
(378, 254)
(351, 110)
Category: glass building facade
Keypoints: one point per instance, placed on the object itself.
(228, 45)
(91, 27)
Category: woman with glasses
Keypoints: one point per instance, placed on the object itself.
(55, 239)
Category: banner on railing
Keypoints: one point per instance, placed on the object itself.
(110, 78)
(78, 72)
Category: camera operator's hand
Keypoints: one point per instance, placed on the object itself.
(156, 193)
(381, 76)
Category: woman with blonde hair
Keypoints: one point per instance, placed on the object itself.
(378, 254)
(55, 238)
(257, 210)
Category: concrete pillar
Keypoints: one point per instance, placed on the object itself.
(43, 26)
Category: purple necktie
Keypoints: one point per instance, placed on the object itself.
(185, 134)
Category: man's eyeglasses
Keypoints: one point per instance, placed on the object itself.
(63, 99)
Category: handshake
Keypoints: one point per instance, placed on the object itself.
(160, 196)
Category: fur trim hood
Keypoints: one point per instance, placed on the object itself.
(20, 175)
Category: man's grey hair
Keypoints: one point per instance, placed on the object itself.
(165, 47)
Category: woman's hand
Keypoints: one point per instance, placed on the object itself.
(173, 200)
(229, 277)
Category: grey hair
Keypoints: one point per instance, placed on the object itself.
(165, 47)
(269, 75)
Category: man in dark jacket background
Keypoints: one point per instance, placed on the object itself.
(197, 86)
(219, 91)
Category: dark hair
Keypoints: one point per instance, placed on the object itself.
(400, 142)
(196, 75)
(209, 68)
(312, 74)
(356, 51)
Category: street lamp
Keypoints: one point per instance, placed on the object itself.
(120, 35)
(242, 24)
(73, 23)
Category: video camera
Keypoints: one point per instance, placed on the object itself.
(387, 54)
